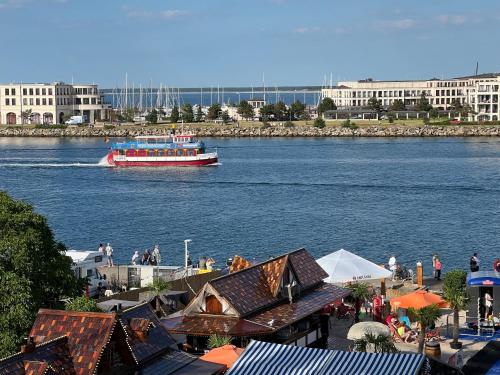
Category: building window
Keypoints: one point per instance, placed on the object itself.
(7, 101)
(44, 101)
(37, 91)
(13, 92)
(13, 101)
(25, 101)
(31, 91)
(31, 101)
(44, 92)
(37, 101)
(85, 100)
(50, 101)
(93, 101)
(25, 91)
(50, 91)
(6, 91)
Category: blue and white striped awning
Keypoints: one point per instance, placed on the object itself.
(261, 358)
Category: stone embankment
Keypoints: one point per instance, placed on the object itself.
(273, 131)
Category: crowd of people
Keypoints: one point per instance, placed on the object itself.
(152, 258)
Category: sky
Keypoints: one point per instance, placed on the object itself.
(205, 43)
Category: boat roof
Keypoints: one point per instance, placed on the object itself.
(483, 278)
(163, 136)
(81, 255)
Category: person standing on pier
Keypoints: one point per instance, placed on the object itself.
(135, 257)
(157, 255)
(474, 263)
(434, 258)
(438, 266)
(101, 248)
(109, 254)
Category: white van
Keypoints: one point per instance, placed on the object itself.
(85, 265)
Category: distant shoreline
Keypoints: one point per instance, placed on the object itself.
(257, 130)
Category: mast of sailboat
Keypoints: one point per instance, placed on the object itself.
(126, 91)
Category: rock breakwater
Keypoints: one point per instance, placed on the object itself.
(272, 131)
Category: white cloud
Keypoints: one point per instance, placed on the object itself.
(306, 30)
(452, 19)
(167, 14)
(400, 24)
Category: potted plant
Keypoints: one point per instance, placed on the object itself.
(360, 292)
(455, 293)
(426, 317)
(375, 343)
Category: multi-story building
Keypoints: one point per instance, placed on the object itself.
(481, 92)
(49, 103)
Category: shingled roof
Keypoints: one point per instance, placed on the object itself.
(87, 333)
(46, 358)
(146, 336)
(257, 287)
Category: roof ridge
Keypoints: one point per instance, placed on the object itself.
(36, 347)
(78, 313)
(257, 265)
(135, 307)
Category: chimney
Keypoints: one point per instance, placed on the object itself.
(30, 345)
(118, 308)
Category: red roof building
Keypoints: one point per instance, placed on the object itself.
(86, 343)
(277, 300)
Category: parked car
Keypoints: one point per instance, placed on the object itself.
(455, 121)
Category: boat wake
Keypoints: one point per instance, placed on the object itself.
(103, 163)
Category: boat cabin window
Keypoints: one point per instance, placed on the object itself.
(98, 259)
(180, 152)
(90, 273)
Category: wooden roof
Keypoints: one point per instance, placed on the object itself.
(256, 287)
(88, 334)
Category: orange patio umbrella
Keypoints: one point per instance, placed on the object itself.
(226, 355)
(417, 300)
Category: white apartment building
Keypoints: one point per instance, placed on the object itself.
(49, 103)
(481, 92)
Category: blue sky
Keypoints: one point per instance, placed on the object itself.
(193, 43)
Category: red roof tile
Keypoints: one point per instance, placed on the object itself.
(257, 287)
(239, 263)
(88, 334)
(49, 356)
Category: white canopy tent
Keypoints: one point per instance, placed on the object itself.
(343, 266)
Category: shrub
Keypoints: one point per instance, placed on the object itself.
(265, 125)
(289, 124)
(108, 127)
(319, 123)
(348, 124)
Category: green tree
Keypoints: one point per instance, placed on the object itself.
(34, 272)
(455, 293)
(426, 317)
(375, 104)
(152, 117)
(319, 123)
(82, 303)
(216, 341)
(156, 287)
(245, 110)
(398, 105)
(327, 104)
(26, 115)
(267, 111)
(423, 103)
(297, 110)
(199, 113)
(280, 111)
(187, 113)
(434, 113)
(214, 111)
(174, 115)
(378, 343)
(225, 117)
(361, 292)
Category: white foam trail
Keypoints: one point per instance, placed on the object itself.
(53, 165)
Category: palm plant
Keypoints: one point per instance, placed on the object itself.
(455, 293)
(379, 343)
(216, 341)
(360, 292)
(156, 287)
(426, 317)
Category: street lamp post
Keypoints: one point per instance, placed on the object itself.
(186, 253)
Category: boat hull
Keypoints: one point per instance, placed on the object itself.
(157, 162)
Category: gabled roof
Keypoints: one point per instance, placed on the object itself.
(88, 334)
(156, 339)
(49, 357)
(257, 287)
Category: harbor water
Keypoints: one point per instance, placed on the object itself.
(411, 197)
